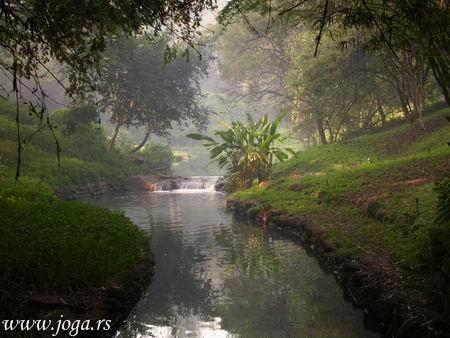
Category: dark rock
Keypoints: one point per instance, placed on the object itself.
(223, 184)
(139, 182)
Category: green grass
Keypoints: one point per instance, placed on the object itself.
(44, 166)
(48, 244)
(392, 167)
(64, 244)
(54, 244)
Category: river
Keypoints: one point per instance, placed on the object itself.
(219, 277)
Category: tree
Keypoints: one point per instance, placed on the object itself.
(74, 34)
(263, 62)
(139, 89)
(414, 34)
(408, 76)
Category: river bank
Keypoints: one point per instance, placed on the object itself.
(68, 261)
(363, 282)
(220, 277)
(367, 207)
(58, 293)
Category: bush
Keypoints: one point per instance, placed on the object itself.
(71, 119)
(87, 143)
(158, 158)
(247, 151)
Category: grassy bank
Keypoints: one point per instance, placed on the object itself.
(54, 247)
(48, 244)
(373, 198)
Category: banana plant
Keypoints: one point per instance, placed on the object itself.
(247, 152)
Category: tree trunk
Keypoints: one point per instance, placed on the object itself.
(116, 132)
(440, 72)
(409, 75)
(418, 72)
(144, 141)
(331, 132)
(321, 130)
(418, 100)
(381, 111)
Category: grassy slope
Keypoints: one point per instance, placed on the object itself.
(49, 245)
(372, 197)
(329, 179)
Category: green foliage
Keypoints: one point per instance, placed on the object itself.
(74, 118)
(139, 89)
(87, 143)
(247, 151)
(158, 157)
(76, 33)
(372, 194)
(54, 244)
(85, 156)
(27, 188)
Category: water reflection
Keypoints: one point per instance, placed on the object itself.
(217, 277)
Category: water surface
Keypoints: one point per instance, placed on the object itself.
(218, 277)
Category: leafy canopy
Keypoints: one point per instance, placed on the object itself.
(75, 33)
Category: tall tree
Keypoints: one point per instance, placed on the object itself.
(75, 33)
(34, 33)
(415, 33)
(138, 88)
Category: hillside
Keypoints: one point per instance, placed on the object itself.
(371, 201)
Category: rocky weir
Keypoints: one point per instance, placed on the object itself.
(141, 183)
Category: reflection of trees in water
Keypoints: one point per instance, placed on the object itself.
(181, 286)
(272, 289)
(268, 287)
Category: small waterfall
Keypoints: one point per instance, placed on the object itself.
(199, 184)
(186, 185)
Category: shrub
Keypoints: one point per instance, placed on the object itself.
(158, 158)
(71, 119)
(87, 142)
(247, 151)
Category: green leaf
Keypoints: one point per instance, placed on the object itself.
(214, 152)
(281, 156)
(200, 137)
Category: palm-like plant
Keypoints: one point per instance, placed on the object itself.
(247, 152)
